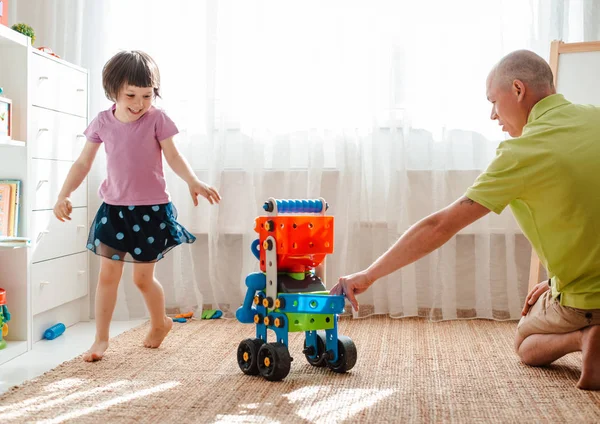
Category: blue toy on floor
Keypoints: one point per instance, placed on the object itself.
(289, 296)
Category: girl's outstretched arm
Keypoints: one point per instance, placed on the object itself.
(182, 168)
(77, 174)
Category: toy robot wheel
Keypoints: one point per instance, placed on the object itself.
(317, 361)
(346, 356)
(274, 361)
(247, 355)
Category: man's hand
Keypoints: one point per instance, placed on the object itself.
(198, 187)
(63, 209)
(534, 295)
(351, 285)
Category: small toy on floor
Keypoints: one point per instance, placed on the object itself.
(212, 314)
(206, 314)
(54, 331)
(183, 318)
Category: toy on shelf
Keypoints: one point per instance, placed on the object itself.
(6, 112)
(49, 51)
(4, 318)
(289, 296)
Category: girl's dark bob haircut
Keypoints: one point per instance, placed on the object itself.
(132, 67)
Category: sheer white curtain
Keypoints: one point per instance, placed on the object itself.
(379, 107)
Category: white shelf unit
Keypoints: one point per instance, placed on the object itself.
(14, 143)
(47, 282)
(11, 246)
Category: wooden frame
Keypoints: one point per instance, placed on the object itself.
(557, 48)
(5, 118)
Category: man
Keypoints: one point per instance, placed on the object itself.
(547, 175)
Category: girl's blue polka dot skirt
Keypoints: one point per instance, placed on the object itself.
(136, 233)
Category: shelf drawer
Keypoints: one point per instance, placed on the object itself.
(54, 238)
(56, 135)
(48, 178)
(58, 281)
(57, 86)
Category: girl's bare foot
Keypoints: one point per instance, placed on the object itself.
(157, 334)
(96, 352)
(590, 347)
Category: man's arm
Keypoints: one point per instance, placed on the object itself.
(421, 239)
(426, 236)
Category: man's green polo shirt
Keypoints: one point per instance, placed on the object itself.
(550, 177)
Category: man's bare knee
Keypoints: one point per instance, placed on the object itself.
(524, 355)
(518, 341)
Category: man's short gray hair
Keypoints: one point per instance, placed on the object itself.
(526, 66)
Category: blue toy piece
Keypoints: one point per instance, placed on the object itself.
(54, 331)
(288, 296)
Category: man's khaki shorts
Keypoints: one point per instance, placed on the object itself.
(548, 316)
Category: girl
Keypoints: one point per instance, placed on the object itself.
(136, 222)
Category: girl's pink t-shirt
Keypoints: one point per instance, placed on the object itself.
(133, 157)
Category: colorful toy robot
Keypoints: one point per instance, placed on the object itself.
(289, 296)
(4, 318)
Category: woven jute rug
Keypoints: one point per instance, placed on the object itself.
(408, 370)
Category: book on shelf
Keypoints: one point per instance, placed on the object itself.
(4, 208)
(10, 191)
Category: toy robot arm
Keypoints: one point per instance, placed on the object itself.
(255, 281)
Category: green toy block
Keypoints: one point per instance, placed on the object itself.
(309, 322)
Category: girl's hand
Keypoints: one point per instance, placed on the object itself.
(211, 194)
(63, 209)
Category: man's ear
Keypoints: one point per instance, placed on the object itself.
(518, 89)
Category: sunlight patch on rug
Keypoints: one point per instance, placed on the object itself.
(338, 405)
(115, 401)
